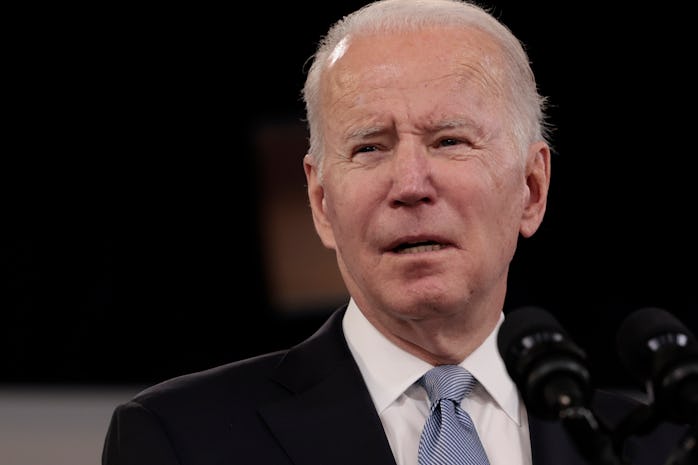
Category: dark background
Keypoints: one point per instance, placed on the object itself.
(131, 249)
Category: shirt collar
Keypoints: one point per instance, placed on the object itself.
(389, 371)
(487, 366)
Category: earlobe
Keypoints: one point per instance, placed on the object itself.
(318, 204)
(315, 190)
(537, 185)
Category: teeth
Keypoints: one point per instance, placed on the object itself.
(420, 248)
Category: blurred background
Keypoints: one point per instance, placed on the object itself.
(154, 212)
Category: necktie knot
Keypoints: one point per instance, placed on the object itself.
(451, 382)
(449, 436)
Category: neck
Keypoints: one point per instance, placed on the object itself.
(440, 340)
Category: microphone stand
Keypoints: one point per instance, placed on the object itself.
(641, 420)
(686, 452)
(646, 418)
(592, 443)
(678, 404)
(562, 395)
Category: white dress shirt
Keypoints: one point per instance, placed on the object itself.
(403, 406)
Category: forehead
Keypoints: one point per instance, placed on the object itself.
(432, 72)
(454, 60)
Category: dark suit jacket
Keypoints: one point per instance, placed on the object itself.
(305, 406)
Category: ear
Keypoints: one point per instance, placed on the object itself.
(318, 205)
(537, 186)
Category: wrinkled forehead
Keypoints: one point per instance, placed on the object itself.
(427, 54)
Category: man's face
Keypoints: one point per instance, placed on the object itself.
(424, 190)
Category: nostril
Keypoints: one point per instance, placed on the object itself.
(409, 201)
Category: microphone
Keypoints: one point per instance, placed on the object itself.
(657, 349)
(549, 369)
(553, 376)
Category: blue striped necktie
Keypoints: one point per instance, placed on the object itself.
(449, 436)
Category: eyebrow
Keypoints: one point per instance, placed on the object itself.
(371, 131)
(367, 132)
(455, 123)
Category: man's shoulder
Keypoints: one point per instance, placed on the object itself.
(245, 378)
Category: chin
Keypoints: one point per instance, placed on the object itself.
(426, 304)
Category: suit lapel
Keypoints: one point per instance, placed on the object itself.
(328, 417)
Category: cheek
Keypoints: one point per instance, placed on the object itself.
(476, 190)
(491, 197)
(338, 202)
(353, 187)
(509, 184)
(352, 205)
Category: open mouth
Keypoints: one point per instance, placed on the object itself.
(418, 247)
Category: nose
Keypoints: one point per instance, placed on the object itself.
(412, 176)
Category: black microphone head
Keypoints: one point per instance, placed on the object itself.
(644, 334)
(522, 322)
(547, 367)
(656, 348)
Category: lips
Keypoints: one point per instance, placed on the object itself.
(418, 247)
(409, 245)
